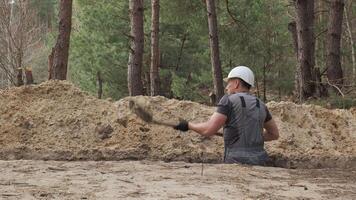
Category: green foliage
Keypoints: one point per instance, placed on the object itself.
(99, 43)
(254, 33)
(183, 89)
(45, 8)
(179, 87)
(184, 45)
(335, 101)
(259, 38)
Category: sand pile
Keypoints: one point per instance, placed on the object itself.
(57, 121)
(313, 136)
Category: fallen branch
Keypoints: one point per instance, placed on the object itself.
(338, 89)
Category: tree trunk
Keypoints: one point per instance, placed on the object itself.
(60, 52)
(333, 64)
(10, 44)
(349, 31)
(99, 83)
(18, 61)
(181, 50)
(28, 75)
(306, 45)
(19, 81)
(257, 87)
(320, 40)
(154, 72)
(292, 27)
(136, 50)
(214, 49)
(50, 64)
(279, 86)
(322, 90)
(264, 82)
(49, 17)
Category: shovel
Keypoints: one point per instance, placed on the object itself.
(147, 117)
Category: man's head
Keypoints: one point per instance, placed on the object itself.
(240, 79)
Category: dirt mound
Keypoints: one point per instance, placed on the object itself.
(57, 121)
(313, 136)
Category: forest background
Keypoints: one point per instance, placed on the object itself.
(251, 33)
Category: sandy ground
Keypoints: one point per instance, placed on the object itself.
(57, 121)
(94, 140)
(176, 180)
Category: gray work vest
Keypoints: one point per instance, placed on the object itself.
(243, 130)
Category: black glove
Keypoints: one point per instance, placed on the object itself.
(182, 126)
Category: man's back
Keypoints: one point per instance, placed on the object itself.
(243, 131)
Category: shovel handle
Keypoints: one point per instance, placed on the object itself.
(170, 124)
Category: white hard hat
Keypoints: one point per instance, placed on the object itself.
(243, 73)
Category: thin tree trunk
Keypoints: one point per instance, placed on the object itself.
(154, 72)
(11, 75)
(181, 51)
(321, 88)
(99, 83)
(19, 81)
(311, 16)
(50, 64)
(146, 82)
(3, 80)
(60, 52)
(352, 43)
(28, 75)
(320, 41)
(214, 49)
(333, 62)
(257, 87)
(136, 50)
(49, 18)
(212, 98)
(306, 45)
(292, 27)
(279, 86)
(19, 66)
(264, 82)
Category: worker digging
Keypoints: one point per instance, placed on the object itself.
(246, 120)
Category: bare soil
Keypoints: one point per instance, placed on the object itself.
(42, 127)
(57, 121)
(175, 180)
